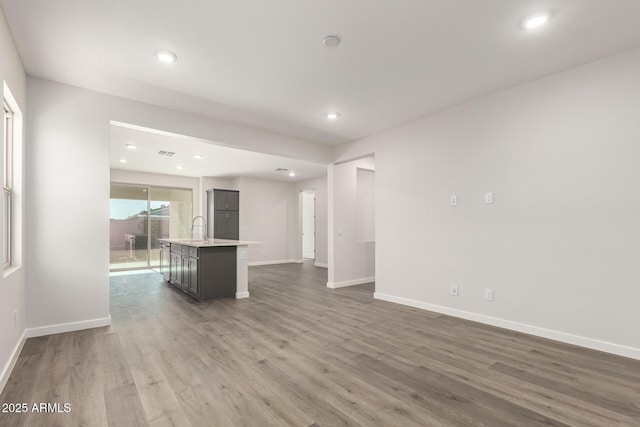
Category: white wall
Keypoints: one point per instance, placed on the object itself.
(319, 186)
(351, 261)
(67, 218)
(68, 221)
(12, 286)
(559, 246)
(143, 178)
(269, 214)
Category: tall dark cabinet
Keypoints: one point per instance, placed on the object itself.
(223, 214)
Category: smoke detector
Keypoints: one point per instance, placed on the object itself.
(331, 41)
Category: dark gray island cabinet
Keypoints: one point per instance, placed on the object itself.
(207, 269)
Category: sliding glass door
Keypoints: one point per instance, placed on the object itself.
(128, 226)
(140, 216)
(170, 217)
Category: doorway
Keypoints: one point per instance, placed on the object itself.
(308, 225)
(140, 215)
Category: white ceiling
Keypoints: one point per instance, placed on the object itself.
(217, 160)
(261, 63)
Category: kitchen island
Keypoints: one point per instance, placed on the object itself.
(206, 269)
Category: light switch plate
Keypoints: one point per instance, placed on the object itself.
(453, 200)
(488, 295)
(488, 198)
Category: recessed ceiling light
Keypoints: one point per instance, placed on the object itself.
(197, 156)
(333, 115)
(166, 56)
(331, 41)
(123, 160)
(292, 173)
(131, 146)
(180, 167)
(535, 21)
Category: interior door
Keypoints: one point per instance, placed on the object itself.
(308, 225)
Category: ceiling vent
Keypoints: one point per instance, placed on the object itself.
(285, 171)
(166, 153)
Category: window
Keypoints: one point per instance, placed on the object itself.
(12, 194)
(7, 187)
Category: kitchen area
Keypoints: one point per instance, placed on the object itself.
(211, 264)
(200, 213)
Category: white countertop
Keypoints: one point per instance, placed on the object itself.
(210, 242)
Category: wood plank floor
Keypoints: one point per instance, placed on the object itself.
(298, 354)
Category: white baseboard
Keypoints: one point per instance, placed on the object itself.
(244, 294)
(607, 347)
(284, 261)
(336, 285)
(279, 261)
(130, 272)
(68, 327)
(11, 363)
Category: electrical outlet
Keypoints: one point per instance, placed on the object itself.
(453, 200)
(488, 295)
(454, 290)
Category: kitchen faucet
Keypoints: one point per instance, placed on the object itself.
(193, 222)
